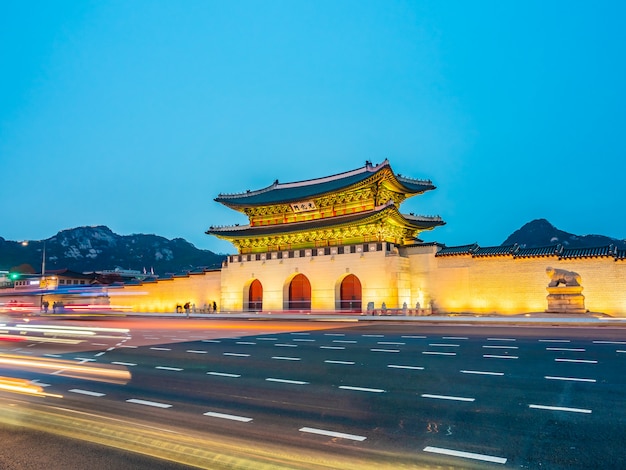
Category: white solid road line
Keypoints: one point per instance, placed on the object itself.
(285, 358)
(325, 432)
(175, 369)
(242, 419)
(362, 389)
(559, 408)
(571, 379)
(329, 361)
(287, 381)
(86, 392)
(149, 403)
(466, 455)
(582, 361)
(397, 366)
(481, 372)
(223, 374)
(446, 397)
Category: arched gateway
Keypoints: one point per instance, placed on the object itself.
(255, 297)
(350, 294)
(299, 293)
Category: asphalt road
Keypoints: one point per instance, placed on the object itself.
(275, 394)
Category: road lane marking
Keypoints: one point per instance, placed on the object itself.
(385, 350)
(391, 343)
(160, 349)
(224, 374)
(266, 339)
(175, 369)
(501, 347)
(245, 342)
(397, 366)
(330, 361)
(100, 354)
(559, 408)
(501, 339)
(304, 340)
(211, 341)
(446, 397)
(119, 363)
(467, 455)
(285, 358)
(149, 403)
(413, 337)
(301, 334)
(582, 361)
(609, 342)
(86, 392)
(332, 347)
(235, 354)
(41, 384)
(566, 349)
(620, 351)
(445, 345)
(127, 346)
(373, 336)
(572, 379)
(554, 341)
(495, 356)
(284, 345)
(334, 334)
(98, 344)
(54, 355)
(84, 359)
(438, 353)
(197, 351)
(325, 432)
(481, 372)
(362, 389)
(344, 341)
(286, 381)
(213, 414)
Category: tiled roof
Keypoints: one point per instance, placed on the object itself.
(496, 250)
(552, 250)
(620, 255)
(417, 222)
(587, 252)
(301, 190)
(457, 250)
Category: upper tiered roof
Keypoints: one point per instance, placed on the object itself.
(282, 193)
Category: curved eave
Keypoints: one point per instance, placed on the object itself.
(387, 211)
(285, 193)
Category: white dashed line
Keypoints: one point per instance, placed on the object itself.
(501, 347)
(224, 374)
(211, 341)
(438, 353)
(86, 392)
(329, 361)
(149, 403)
(466, 455)
(304, 340)
(362, 389)
(481, 372)
(566, 349)
(266, 339)
(84, 359)
(175, 369)
(325, 432)
(495, 356)
(301, 334)
(445, 345)
(332, 347)
(385, 350)
(446, 397)
(213, 414)
(560, 408)
(413, 337)
(344, 341)
(571, 379)
(582, 361)
(235, 354)
(287, 381)
(609, 342)
(245, 342)
(119, 363)
(391, 343)
(454, 337)
(161, 349)
(373, 336)
(53, 355)
(285, 345)
(501, 339)
(334, 334)
(100, 354)
(554, 340)
(285, 358)
(397, 366)
(127, 346)
(197, 351)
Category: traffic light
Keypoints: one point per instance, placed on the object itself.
(14, 276)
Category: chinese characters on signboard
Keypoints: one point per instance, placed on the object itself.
(303, 206)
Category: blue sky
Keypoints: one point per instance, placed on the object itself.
(136, 114)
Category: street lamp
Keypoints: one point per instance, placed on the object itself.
(42, 281)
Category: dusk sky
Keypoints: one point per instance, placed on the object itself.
(137, 114)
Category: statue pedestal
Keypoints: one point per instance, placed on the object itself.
(566, 299)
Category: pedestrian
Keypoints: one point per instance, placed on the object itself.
(186, 306)
(214, 307)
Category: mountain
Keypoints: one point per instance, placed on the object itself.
(86, 249)
(540, 232)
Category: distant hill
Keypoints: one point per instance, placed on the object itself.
(540, 232)
(86, 249)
